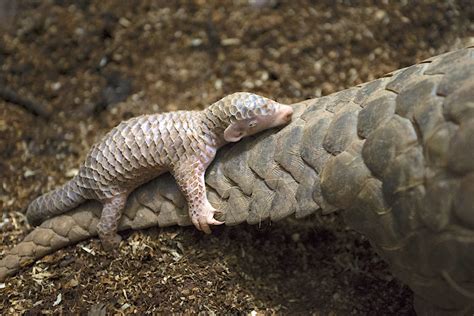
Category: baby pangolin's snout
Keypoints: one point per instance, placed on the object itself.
(285, 113)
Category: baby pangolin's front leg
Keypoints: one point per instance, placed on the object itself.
(109, 221)
(189, 176)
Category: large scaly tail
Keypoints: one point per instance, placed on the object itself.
(54, 203)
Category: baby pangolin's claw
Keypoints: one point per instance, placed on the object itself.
(204, 225)
(203, 219)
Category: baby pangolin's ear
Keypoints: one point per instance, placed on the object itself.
(233, 133)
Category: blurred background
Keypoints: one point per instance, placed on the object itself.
(71, 70)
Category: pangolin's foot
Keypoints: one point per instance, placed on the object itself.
(111, 243)
(109, 221)
(204, 216)
(110, 240)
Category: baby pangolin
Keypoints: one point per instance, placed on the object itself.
(138, 150)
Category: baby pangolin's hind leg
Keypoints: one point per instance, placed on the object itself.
(109, 221)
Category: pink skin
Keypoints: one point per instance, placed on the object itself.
(281, 116)
(251, 126)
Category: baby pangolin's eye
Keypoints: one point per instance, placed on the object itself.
(253, 123)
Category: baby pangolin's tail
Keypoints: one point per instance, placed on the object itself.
(54, 203)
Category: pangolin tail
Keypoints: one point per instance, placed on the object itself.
(54, 203)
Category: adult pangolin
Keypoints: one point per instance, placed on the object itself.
(138, 150)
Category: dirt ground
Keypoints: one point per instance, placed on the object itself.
(94, 63)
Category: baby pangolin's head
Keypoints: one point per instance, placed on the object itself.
(244, 114)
